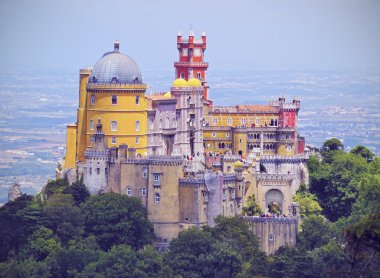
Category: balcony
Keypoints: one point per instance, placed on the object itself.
(169, 130)
(191, 64)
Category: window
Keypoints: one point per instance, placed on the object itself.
(98, 171)
(113, 126)
(90, 171)
(137, 100)
(198, 75)
(229, 121)
(145, 173)
(257, 121)
(152, 124)
(243, 121)
(227, 134)
(92, 99)
(215, 121)
(114, 100)
(137, 125)
(156, 177)
(143, 191)
(137, 140)
(160, 126)
(213, 134)
(129, 191)
(167, 122)
(288, 148)
(91, 139)
(157, 198)
(174, 122)
(182, 75)
(113, 140)
(92, 125)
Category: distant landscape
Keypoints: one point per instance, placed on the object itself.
(36, 106)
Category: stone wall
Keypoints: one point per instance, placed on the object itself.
(273, 232)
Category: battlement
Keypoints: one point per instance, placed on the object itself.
(95, 154)
(275, 177)
(229, 178)
(281, 158)
(258, 219)
(191, 181)
(156, 160)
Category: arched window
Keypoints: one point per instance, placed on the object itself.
(137, 100)
(135, 80)
(92, 99)
(215, 121)
(223, 145)
(137, 140)
(129, 191)
(174, 122)
(182, 75)
(143, 191)
(145, 173)
(92, 125)
(167, 123)
(137, 125)
(198, 75)
(113, 126)
(157, 198)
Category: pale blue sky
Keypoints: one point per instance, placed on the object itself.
(242, 34)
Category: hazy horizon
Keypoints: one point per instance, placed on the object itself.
(242, 35)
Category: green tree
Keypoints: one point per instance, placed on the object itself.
(41, 244)
(117, 219)
(14, 227)
(54, 187)
(79, 192)
(330, 148)
(368, 197)
(289, 262)
(235, 232)
(363, 240)
(316, 232)
(363, 152)
(195, 253)
(308, 203)
(251, 207)
(336, 184)
(330, 259)
(75, 257)
(122, 261)
(65, 219)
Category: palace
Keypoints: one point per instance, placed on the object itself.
(184, 158)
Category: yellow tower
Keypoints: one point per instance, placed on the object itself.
(114, 93)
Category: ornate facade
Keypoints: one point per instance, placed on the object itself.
(186, 160)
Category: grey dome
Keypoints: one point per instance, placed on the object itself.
(115, 67)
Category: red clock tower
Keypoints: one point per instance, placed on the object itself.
(191, 63)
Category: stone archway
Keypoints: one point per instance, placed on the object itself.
(274, 197)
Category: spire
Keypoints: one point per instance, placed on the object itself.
(116, 45)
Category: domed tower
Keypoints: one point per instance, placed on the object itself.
(114, 92)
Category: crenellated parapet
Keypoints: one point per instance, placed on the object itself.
(300, 158)
(257, 219)
(279, 178)
(195, 182)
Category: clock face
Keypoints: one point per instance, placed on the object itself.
(197, 52)
(184, 51)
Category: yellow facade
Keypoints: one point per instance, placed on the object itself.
(71, 143)
(129, 113)
(240, 119)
